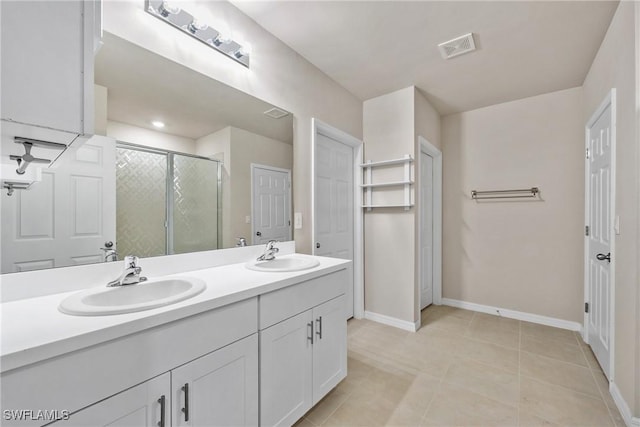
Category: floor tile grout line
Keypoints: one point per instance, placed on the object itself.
(598, 397)
(555, 359)
(602, 397)
(424, 415)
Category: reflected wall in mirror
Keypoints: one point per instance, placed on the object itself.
(219, 170)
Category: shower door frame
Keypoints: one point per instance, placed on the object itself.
(169, 155)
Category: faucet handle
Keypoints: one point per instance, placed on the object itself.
(130, 261)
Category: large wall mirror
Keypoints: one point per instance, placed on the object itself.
(185, 163)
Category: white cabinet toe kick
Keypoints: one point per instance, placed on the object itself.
(265, 360)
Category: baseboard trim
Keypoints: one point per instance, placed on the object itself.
(624, 409)
(391, 321)
(513, 314)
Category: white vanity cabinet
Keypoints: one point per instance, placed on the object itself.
(47, 63)
(217, 389)
(213, 351)
(303, 356)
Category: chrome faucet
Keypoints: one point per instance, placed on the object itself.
(241, 242)
(131, 273)
(270, 251)
(110, 255)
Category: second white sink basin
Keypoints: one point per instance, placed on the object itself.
(284, 264)
(130, 298)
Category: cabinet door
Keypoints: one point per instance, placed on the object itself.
(218, 389)
(285, 370)
(47, 63)
(139, 406)
(330, 347)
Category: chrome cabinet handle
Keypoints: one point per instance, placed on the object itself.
(310, 336)
(185, 388)
(319, 332)
(161, 401)
(602, 257)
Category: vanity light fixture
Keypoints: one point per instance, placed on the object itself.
(168, 12)
(158, 124)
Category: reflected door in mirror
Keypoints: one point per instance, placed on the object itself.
(66, 218)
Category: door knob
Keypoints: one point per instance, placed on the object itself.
(258, 233)
(108, 244)
(317, 245)
(602, 257)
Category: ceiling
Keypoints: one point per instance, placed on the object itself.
(371, 48)
(143, 86)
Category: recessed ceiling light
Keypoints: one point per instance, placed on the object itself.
(158, 124)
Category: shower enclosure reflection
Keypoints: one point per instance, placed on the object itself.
(166, 203)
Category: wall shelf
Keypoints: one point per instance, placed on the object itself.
(405, 184)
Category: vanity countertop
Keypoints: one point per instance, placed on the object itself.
(34, 329)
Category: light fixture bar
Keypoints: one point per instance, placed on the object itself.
(171, 13)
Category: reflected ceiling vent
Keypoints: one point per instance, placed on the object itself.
(276, 113)
(458, 46)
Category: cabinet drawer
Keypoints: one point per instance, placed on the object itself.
(108, 368)
(284, 303)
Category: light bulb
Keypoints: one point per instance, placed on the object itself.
(242, 51)
(220, 40)
(158, 124)
(197, 25)
(166, 9)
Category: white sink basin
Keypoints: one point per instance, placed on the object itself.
(130, 298)
(284, 264)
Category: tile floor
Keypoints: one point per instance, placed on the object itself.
(467, 369)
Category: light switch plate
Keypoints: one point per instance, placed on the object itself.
(247, 219)
(297, 220)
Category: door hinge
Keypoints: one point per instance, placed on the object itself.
(586, 307)
(586, 230)
(588, 153)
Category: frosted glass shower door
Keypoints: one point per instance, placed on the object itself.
(141, 202)
(195, 204)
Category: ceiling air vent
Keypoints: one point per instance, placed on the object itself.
(276, 113)
(458, 46)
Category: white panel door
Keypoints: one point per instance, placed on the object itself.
(426, 226)
(329, 348)
(65, 219)
(139, 406)
(600, 221)
(333, 216)
(218, 389)
(286, 364)
(271, 204)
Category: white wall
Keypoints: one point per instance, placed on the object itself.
(520, 255)
(615, 67)
(277, 74)
(124, 132)
(239, 149)
(391, 125)
(100, 109)
(388, 126)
